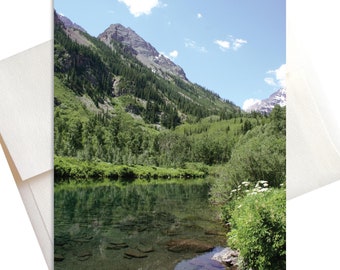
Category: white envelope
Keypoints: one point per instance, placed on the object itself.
(26, 128)
(19, 246)
(313, 111)
(313, 134)
(313, 224)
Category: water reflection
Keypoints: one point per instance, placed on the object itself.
(133, 227)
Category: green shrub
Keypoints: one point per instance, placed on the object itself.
(258, 229)
(258, 155)
(69, 168)
(126, 172)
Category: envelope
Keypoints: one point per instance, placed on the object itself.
(313, 123)
(313, 134)
(26, 134)
(19, 246)
(26, 128)
(313, 224)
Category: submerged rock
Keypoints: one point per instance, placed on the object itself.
(84, 255)
(191, 245)
(145, 249)
(117, 245)
(58, 257)
(134, 253)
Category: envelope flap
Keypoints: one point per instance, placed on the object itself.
(26, 121)
(19, 246)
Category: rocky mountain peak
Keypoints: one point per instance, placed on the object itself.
(69, 24)
(267, 105)
(141, 49)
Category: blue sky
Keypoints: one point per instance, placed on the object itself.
(236, 48)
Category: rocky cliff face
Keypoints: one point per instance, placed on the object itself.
(142, 50)
(69, 24)
(266, 105)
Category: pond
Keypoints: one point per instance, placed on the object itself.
(137, 226)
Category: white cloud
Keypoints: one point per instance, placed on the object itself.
(140, 7)
(173, 54)
(231, 42)
(199, 16)
(223, 44)
(279, 78)
(270, 81)
(281, 73)
(188, 43)
(237, 43)
(250, 102)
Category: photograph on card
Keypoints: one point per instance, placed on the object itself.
(169, 135)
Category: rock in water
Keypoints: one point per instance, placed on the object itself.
(145, 249)
(227, 256)
(134, 253)
(58, 257)
(180, 245)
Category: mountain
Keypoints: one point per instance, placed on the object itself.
(110, 107)
(121, 71)
(69, 24)
(142, 50)
(266, 105)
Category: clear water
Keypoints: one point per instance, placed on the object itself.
(108, 227)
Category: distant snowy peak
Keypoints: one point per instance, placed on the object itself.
(266, 105)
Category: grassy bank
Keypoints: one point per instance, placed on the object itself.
(67, 168)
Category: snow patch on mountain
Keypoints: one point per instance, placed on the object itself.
(266, 105)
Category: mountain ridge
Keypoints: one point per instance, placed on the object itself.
(93, 69)
(135, 44)
(266, 105)
(142, 49)
(70, 24)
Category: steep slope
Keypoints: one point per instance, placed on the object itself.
(143, 50)
(69, 24)
(103, 74)
(267, 105)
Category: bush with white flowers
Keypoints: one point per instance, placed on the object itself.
(258, 228)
